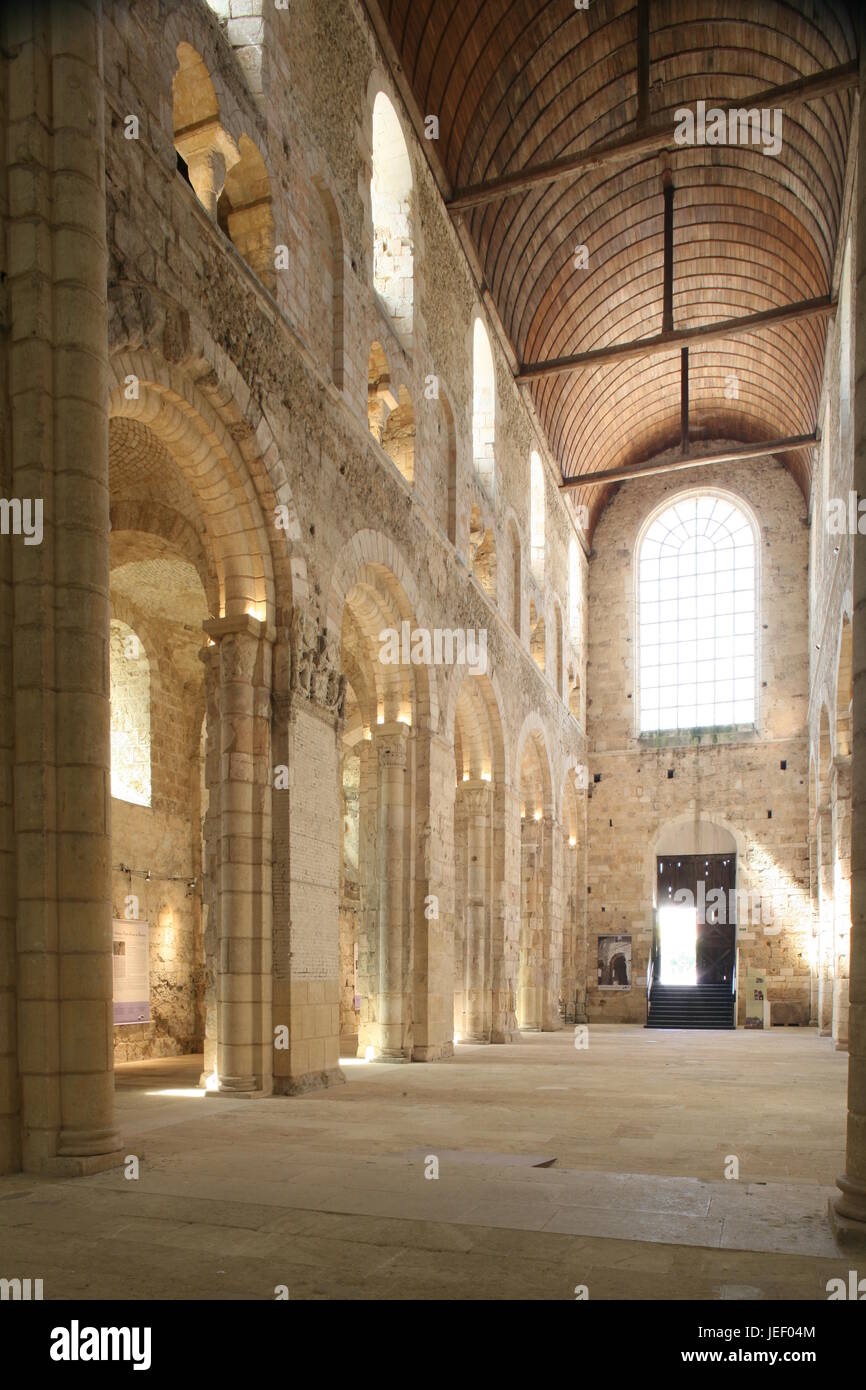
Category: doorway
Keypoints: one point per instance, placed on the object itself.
(696, 921)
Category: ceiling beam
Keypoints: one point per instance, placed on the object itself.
(735, 454)
(680, 337)
(636, 146)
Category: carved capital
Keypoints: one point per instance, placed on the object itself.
(315, 671)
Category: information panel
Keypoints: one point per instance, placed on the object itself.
(131, 972)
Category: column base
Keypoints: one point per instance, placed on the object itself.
(308, 1081)
(433, 1052)
(390, 1057)
(848, 1213)
(80, 1165)
(248, 1091)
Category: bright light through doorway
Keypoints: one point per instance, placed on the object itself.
(678, 929)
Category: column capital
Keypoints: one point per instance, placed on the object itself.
(477, 793)
(392, 743)
(233, 624)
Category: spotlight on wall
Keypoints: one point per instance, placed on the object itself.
(572, 841)
(538, 815)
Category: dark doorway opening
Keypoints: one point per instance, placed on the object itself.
(711, 882)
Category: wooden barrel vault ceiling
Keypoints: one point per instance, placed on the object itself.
(518, 83)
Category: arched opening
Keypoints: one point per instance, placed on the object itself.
(189, 547)
(536, 516)
(448, 466)
(378, 905)
(398, 435)
(482, 550)
(516, 577)
(160, 574)
(326, 316)
(537, 637)
(483, 407)
(391, 203)
(381, 399)
(245, 214)
(574, 706)
(539, 955)
(697, 615)
(130, 716)
(205, 151)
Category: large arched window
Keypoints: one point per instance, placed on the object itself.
(536, 515)
(483, 406)
(391, 200)
(697, 608)
(129, 675)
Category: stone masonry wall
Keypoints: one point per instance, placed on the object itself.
(645, 783)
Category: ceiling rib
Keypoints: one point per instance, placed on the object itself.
(734, 454)
(819, 84)
(795, 246)
(681, 337)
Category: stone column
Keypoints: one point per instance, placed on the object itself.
(58, 389)
(244, 1027)
(392, 851)
(502, 1024)
(551, 940)
(432, 907)
(841, 899)
(10, 1138)
(825, 921)
(477, 798)
(209, 153)
(368, 917)
(210, 868)
(308, 829)
(849, 1210)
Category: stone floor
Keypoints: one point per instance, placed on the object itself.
(327, 1193)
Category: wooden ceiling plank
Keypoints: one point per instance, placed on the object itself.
(637, 146)
(680, 337)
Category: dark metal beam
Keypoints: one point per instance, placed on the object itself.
(635, 146)
(684, 400)
(680, 337)
(734, 454)
(668, 287)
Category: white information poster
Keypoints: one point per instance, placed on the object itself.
(131, 972)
